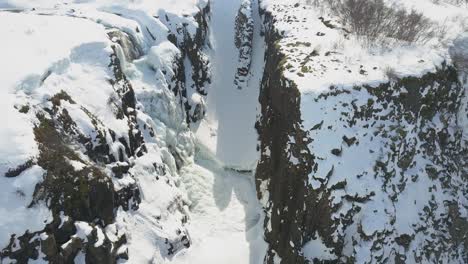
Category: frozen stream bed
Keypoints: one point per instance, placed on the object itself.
(228, 130)
(226, 223)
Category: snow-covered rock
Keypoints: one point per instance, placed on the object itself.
(94, 133)
(244, 40)
(372, 167)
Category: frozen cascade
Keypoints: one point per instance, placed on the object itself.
(226, 224)
(228, 130)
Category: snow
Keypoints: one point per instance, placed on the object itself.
(77, 166)
(176, 6)
(315, 248)
(16, 136)
(229, 128)
(63, 219)
(15, 198)
(80, 258)
(226, 224)
(23, 30)
(459, 50)
(162, 54)
(157, 216)
(100, 237)
(22, 74)
(45, 65)
(83, 230)
(357, 159)
(223, 210)
(342, 61)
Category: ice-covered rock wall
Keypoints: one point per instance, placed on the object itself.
(106, 116)
(193, 75)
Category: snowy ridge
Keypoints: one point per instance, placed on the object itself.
(322, 51)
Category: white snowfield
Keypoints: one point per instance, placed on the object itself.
(176, 6)
(344, 61)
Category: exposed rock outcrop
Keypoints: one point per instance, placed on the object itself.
(192, 72)
(294, 212)
(244, 27)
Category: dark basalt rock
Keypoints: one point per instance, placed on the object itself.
(336, 152)
(87, 198)
(27, 248)
(243, 39)
(127, 96)
(404, 240)
(102, 254)
(70, 251)
(86, 195)
(120, 169)
(287, 184)
(349, 141)
(129, 197)
(182, 241)
(192, 48)
(11, 173)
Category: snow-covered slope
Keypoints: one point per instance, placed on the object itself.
(361, 163)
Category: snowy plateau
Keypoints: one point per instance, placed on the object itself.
(233, 131)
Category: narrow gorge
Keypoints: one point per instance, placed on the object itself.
(230, 131)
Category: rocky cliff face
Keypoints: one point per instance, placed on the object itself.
(294, 211)
(244, 30)
(363, 173)
(192, 74)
